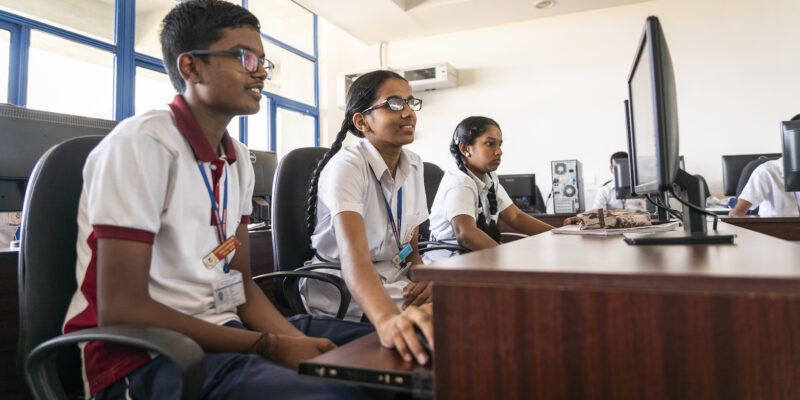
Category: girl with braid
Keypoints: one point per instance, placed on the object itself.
(470, 200)
(364, 205)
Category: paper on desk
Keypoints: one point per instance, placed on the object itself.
(575, 229)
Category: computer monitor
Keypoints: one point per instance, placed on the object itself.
(522, 190)
(25, 135)
(791, 155)
(264, 165)
(653, 137)
(622, 178)
(732, 166)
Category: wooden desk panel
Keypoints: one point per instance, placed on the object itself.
(561, 316)
(781, 227)
(12, 384)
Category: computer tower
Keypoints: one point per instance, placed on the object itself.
(567, 186)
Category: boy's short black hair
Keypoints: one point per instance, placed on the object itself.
(195, 25)
(619, 154)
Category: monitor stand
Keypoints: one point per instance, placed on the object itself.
(690, 188)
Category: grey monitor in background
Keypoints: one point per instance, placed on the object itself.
(622, 178)
(264, 165)
(791, 155)
(25, 136)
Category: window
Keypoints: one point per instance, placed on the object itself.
(294, 130)
(258, 127)
(294, 75)
(91, 18)
(5, 42)
(149, 14)
(153, 90)
(68, 77)
(285, 21)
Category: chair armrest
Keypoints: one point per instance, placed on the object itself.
(431, 245)
(514, 234)
(185, 353)
(292, 278)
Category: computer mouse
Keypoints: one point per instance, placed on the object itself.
(424, 341)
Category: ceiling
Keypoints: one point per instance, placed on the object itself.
(375, 21)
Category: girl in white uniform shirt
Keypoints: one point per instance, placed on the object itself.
(470, 200)
(364, 205)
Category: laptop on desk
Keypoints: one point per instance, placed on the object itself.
(365, 362)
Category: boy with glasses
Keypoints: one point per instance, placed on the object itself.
(163, 231)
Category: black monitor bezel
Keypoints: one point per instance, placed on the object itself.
(663, 92)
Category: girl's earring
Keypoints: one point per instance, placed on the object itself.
(466, 154)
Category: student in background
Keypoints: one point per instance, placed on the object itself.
(364, 206)
(470, 199)
(147, 234)
(765, 189)
(606, 196)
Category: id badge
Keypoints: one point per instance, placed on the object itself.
(400, 257)
(221, 252)
(228, 292)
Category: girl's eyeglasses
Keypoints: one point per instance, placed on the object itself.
(397, 104)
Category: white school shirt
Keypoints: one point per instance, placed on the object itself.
(142, 183)
(347, 184)
(459, 194)
(765, 190)
(606, 198)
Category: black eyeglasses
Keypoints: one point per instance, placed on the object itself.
(397, 104)
(250, 61)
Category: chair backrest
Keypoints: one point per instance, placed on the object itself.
(746, 172)
(290, 240)
(432, 175)
(540, 206)
(732, 166)
(47, 251)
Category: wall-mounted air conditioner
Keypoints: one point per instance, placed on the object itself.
(430, 77)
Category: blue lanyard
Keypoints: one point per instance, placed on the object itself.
(218, 221)
(389, 210)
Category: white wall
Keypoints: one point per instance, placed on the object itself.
(556, 85)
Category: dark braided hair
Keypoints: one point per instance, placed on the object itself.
(360, 96)
(466, 132)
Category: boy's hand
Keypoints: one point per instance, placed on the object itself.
(290, 350)
(417, 294)
(570, 221)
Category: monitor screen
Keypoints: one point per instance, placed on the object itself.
(653, 114)
(26, 135)
(791, 155)
(521, 188)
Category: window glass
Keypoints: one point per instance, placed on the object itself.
(258, 127)
(5, 56)
(153, 90)
(293, 77)
(149, 14)
(69, 77)
(286, 21)
(295, 130)
(93, 18)
(233, 128)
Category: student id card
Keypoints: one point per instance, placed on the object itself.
(228, 292)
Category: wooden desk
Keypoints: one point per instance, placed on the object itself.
(781, 227)
(563, 316)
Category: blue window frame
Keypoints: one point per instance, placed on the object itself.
(126, 61)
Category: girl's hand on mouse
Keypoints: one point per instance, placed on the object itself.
(398, 332)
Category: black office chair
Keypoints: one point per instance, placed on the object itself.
(290, 241)
(432, 175)
(745, 177)
(51, 361)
